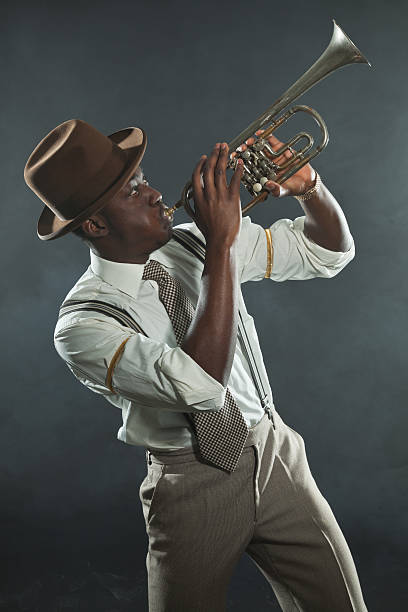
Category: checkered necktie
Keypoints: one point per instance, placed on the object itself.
(221, 434)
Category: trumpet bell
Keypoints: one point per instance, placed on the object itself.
(259, 164)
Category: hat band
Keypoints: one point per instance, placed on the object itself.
(94, 188)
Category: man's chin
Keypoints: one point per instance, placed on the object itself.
(166, 238)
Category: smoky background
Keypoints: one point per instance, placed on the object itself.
(192, 74)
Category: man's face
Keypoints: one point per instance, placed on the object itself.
(136, 216)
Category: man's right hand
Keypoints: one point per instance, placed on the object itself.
(217, 204)
(212, 336)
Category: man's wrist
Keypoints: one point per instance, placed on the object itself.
(222, 247)
(312, 191)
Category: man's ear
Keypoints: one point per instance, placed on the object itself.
(95, 227)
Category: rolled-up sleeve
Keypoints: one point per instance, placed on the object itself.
(283, 252)
(147, 372)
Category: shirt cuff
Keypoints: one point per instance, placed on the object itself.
(328, 263)
(193, 384)
(325, 254)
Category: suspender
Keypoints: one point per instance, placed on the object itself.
(193, 244)
(103, 307)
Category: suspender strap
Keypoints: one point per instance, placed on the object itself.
(104, 308)
(196, 246)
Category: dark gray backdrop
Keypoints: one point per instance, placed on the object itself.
(192, 74)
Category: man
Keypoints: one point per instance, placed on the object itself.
(155, 330)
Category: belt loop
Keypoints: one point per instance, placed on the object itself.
(149, 457)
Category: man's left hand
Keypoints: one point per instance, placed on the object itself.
(297, 184)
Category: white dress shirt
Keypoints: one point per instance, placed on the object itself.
(153, 381)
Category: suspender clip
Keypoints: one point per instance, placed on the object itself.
(268, 409)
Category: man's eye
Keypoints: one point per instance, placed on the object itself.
(135, 188)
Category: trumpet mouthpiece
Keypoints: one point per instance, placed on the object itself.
(170, 211)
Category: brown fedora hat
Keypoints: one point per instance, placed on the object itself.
(76, 170)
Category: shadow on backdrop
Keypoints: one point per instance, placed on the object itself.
(192, 74)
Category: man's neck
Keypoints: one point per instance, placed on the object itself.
(122, 252)
(120, 257)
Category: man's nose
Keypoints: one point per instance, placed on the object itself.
(154, 196)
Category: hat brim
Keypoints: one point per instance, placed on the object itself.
(132, 140)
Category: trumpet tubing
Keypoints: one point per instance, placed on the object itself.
(260, 160)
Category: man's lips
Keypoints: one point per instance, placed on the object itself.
(162, 208)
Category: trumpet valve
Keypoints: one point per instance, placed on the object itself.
(259, 144)
(258, 167)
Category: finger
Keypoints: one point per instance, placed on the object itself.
(208, 173)
(276, 145)
(280, 159)
(274, 142)
(236, 178)
(196, 179)
(219, 178)
(273, 188)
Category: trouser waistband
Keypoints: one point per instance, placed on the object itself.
(255, 435)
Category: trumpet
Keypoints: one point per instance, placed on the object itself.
(260, 160)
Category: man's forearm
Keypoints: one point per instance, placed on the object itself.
(211, 337)
(325, 222)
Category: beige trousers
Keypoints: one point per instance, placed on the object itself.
(200, 520)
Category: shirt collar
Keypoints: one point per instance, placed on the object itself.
(126, 277)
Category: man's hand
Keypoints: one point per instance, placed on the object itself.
(297, 184)
(325, 222)
(217, 204)
(212, 336)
